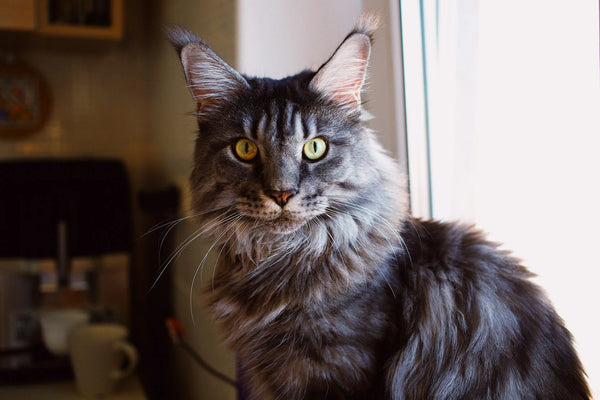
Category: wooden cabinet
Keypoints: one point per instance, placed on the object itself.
(17, 15)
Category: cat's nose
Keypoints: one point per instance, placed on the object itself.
(281, 196)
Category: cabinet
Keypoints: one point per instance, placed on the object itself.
(17, 15)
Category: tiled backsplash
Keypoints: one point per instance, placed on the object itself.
(98, 104)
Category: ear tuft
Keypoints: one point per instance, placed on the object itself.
(367, 24)
(180, 36)
(211, 81)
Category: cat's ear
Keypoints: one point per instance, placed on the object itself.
(211, 81)
(342, 77)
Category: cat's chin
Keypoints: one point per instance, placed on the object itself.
(284, 226)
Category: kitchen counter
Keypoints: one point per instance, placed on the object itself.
(129, 389)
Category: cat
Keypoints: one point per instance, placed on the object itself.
(325, 285)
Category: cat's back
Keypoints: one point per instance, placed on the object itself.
(473, 325)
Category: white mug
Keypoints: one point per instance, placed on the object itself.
(58, 324)
(97, 354)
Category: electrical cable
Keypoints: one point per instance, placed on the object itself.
(176, 332)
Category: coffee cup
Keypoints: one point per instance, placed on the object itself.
(97, 355)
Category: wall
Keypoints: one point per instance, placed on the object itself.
(279, 38)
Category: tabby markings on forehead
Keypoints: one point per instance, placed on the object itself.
(290, 113)
(298, 127)
(294, 122)
(261, 128)
(310, 128)
(247, 127)
(271, 114)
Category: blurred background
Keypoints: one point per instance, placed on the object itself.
(491, 107)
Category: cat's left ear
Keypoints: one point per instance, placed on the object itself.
(342, 77)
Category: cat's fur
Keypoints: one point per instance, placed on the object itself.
(341, 293)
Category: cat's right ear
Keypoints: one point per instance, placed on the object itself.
(211, 81)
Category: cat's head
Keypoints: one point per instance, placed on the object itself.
(280, 154)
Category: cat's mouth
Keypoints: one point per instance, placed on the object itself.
(277, 220)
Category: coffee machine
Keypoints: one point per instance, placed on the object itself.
(65, 243)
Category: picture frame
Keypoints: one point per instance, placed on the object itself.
(24, 101)
(100, 19)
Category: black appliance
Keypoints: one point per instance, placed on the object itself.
(57, 210)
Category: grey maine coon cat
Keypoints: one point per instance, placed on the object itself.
(325, 286)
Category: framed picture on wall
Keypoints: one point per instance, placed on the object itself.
(24, 100)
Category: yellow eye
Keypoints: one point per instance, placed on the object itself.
(245, 149)
(315, 149)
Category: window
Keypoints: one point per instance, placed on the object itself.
(503, 116)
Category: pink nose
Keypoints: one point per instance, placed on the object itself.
(281, 196)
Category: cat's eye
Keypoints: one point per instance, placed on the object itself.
(245, 149)
(315, 149)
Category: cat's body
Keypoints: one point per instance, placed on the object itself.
(324, 284)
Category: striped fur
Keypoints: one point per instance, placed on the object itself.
(340, 293)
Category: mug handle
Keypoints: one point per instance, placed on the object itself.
(132, 359)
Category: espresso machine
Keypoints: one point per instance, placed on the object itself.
(65, 243)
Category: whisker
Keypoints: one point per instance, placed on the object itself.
(190, 239)
(201, 265)
(212, 284)
(176, 221)
(172, 224)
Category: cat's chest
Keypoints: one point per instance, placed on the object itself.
(303, 312)
(341, 333)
